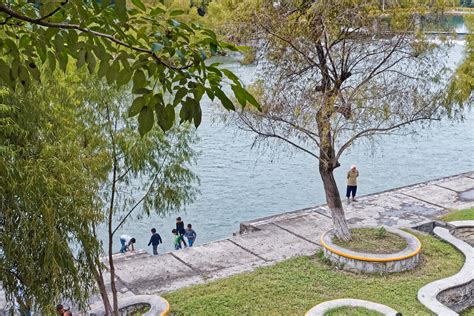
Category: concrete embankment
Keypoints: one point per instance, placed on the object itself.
(269, 240)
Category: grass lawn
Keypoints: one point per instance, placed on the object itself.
(373, 240)
(352, 311)
(463, 215)
(469, 312)
(294, 286)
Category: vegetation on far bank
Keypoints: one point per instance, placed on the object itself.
(294, 286)
(373, 240)
(462, 215)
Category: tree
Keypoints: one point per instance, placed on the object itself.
(48, 199)
(149, 46)
(339, 71)
(461, 87)
(145, 174)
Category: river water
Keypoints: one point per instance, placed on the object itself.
(240, 184)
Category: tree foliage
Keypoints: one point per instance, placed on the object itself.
(461, 88)
(149, 46)
(48, 184)
(339, 71)
(147, 174)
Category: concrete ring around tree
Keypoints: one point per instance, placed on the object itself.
(321, 309)
(350, 260)
(158, 305)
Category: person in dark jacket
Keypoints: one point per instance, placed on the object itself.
(155, 240)
(180, 229)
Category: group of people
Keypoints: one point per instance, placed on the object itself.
(180, 233)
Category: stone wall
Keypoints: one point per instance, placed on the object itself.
(370, 266)
(466, 234)
(458, 298)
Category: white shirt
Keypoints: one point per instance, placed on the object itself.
(127, 239)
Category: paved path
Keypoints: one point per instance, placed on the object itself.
(298, 234)
(459, 285)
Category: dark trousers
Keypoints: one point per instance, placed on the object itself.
(351, 189)
(155, 249)
(182, 241)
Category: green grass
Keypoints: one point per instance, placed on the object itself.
(463, 215)
(294, 286)
(373, 240)
(469, 312)
(352, 311)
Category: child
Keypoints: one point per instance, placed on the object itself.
(190, 235)
(177, 239)
(126, 241)
(180, 229)
(155, 240)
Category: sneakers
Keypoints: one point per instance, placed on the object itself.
(354, 200)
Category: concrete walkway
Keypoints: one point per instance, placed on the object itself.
(269, 240)
(460, 284)
(298, 234)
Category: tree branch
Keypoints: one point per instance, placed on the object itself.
(53, 12)
(274, 135)
(379, 130)
(77, 27)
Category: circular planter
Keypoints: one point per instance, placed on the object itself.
(158, 305)
(350, 260)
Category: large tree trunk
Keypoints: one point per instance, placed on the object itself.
(334, 203)
(328, 162)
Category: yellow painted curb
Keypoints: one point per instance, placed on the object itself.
(167, 310)
(346, 255)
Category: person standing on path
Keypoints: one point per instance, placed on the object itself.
(126, 241)
(190, 235)
(181, 230)
(352, 184)
(155, 240)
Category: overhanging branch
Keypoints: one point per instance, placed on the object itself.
(13, 14)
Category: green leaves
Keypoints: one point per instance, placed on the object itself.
(137, 106)
(139, 4)
(152, 47)
(226, 102)
(155, 47)
(146, 119)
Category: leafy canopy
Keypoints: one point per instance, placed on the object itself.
(150, 47)
(48, 184)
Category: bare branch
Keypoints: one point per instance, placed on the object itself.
(372, 131)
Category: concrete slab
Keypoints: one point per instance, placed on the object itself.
(459, 184)
(391, 209)
(274, 244)
(436, 195)
(218, 255)
(253, 225)
(310, 226)
(157, 274)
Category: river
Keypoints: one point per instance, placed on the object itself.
(240, 184)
